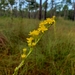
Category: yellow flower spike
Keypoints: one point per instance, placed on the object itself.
(34, 33)
(23, 56)
(33, 40)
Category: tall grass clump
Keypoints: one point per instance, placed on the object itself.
(12, 40)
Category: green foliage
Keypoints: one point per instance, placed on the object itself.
(69, 1)
(11, 2)
(45, 5)
(2, 1)
(32, 4)
(65, 7)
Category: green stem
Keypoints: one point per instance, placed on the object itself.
(22, 63)
(17, 68)
(29, 52)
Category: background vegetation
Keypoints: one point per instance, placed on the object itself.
(39, 9)
(53, 55)
(55, 52)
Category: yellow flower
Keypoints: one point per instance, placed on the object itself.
(24, 50)
(30, 44)
(54, 21)
(49, 20)
(33, 44)
(45, 22)
(42, 29)
(41, 24)
(23, 56)
(29, 40)
(34, 33)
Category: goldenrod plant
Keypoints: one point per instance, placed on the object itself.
(34, 38)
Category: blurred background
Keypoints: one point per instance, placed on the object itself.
(55, 52)
(38, 8)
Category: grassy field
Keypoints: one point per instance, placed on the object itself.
(53, 55)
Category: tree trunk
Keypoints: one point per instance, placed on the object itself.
(40, 10)
(52, 8)
(45, 10)
(74, 11)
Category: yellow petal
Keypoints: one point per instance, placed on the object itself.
(24, 50)
(34, 33)
(23, 56)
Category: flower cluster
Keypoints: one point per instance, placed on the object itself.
(43, 26)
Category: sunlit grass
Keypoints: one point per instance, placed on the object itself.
(50, 56)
